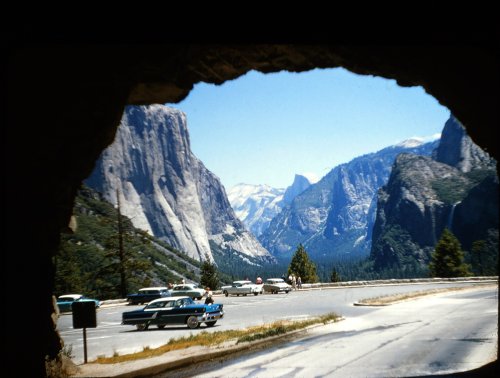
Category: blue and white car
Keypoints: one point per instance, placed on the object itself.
(174, 311)
(64, 302)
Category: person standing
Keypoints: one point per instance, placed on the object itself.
(208, 295)
(258, 280)
(299, 282)
(294, 282)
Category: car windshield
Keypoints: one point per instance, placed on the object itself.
(161, 304)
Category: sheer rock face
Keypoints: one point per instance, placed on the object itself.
(424, 196)
(164, 188)
(458, 150)
(300, 183)
(334, 217)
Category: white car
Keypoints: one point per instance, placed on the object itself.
(242, 288)
(190, 290)
(275, 285)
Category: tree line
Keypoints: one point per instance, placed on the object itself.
(106, 256)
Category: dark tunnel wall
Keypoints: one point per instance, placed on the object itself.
(65, 102)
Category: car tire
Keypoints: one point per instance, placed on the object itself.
(192, 322)
(210, 324)
(226, 293)
(244, 295)
(256, 293)
(161, 326)
(198, 298)
(142, 327)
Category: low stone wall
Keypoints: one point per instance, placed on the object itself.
(399, 282)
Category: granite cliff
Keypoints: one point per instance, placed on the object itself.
(166, 190)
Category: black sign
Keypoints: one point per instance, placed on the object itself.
(84, 315)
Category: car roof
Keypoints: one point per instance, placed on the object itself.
(74, 296)
(166, 299)
(243, 281)
(275, 279)
(154, 288)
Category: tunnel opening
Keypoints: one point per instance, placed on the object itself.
(64, 105)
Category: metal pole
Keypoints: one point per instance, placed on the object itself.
(121, 253)
(84, 345)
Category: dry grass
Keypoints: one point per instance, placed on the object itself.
(205, 338)
(395, 298)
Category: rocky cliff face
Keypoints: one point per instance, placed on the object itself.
(334, 217)
(458, 150)
(423, 196)
(165, 189)
(300, 183)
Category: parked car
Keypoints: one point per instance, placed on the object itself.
(190, 290)
(276, 285)
(64, 302)
(147, 294)
(242, 288)
(173, 311)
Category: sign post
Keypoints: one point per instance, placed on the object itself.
(84, 316)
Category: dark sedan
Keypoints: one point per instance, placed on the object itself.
(174, 311)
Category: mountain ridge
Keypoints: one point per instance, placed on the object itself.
(333, 218)
(456, 188)
(257, 205)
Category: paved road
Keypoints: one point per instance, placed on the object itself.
(442, 334)
(111, 337)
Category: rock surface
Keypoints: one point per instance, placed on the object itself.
(334, 217)
(424, 196)
(165, 189)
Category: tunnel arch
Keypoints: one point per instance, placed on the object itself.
(65, 103)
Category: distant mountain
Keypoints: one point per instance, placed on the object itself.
(458, 189)
(257, 205)
(165, 190)
(300, 183)
(333, 218)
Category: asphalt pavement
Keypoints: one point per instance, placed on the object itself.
(177, 359)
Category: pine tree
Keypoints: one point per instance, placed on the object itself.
(302, 267)
(334, 277)
(447, 260)
(209, 275)
(478, 255)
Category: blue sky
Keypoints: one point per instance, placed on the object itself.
(264, 128)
